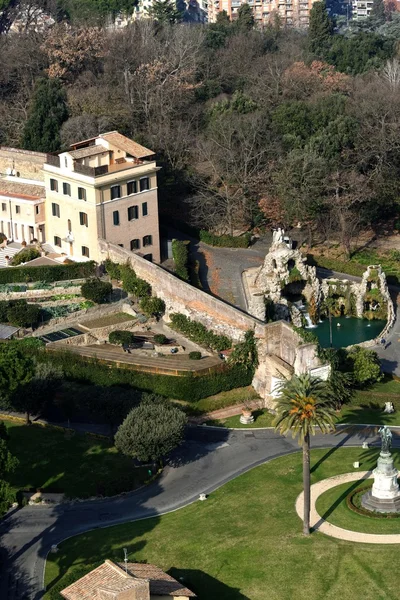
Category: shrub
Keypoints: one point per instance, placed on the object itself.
(225, 241)
(160, 339)
(152, 306)
(152, 430)
(133, 284)
(96, 290)
(195, 355)
(121, 337)
(187, 387)
(47, 274)
(3, 237)
(22, 314)
(25, 256)
(245, 353)
(112, 269)
(198, 333)
(181, 255)
(365, 366)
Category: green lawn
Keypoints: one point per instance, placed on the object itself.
(245, 542)
(77, 465)
(332, 506)
(222, 400)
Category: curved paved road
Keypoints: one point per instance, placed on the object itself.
(207, 460)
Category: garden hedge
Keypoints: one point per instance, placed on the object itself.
(198, 333)
(188, 387)
(225, 241)
(180, 255)
(47, 274)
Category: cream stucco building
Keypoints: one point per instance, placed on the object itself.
(104, 187)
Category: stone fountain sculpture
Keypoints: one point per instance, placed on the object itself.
(385, 493)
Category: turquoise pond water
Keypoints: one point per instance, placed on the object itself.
(351, 331)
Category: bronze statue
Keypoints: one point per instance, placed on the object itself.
(386, 437)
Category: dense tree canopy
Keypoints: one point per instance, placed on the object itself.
(251, 128)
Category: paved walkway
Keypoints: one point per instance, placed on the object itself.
(319, 524)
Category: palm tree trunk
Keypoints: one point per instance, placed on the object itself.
(306, 484)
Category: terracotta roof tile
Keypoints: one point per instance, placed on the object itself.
(111, 577)
(161, 584)
(127, 145)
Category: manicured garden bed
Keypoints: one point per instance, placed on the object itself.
(332, 505)
(245, 542)
(78, 465)
(107, 320)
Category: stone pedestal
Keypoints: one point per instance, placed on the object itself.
(385, 493)
(246, 419)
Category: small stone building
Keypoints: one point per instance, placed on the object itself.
(135, 581)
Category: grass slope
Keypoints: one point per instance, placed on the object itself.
(77, 465)
(245, 542)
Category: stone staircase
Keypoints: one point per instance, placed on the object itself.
(10, 251)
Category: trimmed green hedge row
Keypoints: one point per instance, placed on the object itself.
(180, 255)
(188, 387)
(198, 333)
(225, 241)
(47, 274)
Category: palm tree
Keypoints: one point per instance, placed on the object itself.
(304, 404)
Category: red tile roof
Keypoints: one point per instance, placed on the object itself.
(113, 578)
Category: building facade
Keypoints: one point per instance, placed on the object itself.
(22, 195)
(294, 13)
(104, 187)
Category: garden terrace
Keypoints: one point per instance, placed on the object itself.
(175, 364)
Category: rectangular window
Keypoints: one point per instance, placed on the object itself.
(4, 207)
(133, 213)
(37, 209)
(121, 245)
(144, 184)
(57, 241)
(115, 192)
(54, 185)
(17, 210)
(145, 211)
(148, 257)
(16, 231)
(116, 217)
(85, 251)
(132, 187)
(81, 193)
(83, 219)
(147, 240)
(55, 210)
(66, 189)
(135, 244)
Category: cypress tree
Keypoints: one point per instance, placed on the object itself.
(47, 113)
(320, 30)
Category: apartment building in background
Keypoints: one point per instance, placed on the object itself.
(22, 195)
(104, 187)
(294, 13)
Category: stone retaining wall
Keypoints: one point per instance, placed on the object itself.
(280, 349)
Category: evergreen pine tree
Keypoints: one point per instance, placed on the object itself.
(320, 30)
(165, 11)
(47, 113)
(245, 18)
(378, 12)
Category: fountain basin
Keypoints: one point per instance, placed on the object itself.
(351, 331)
